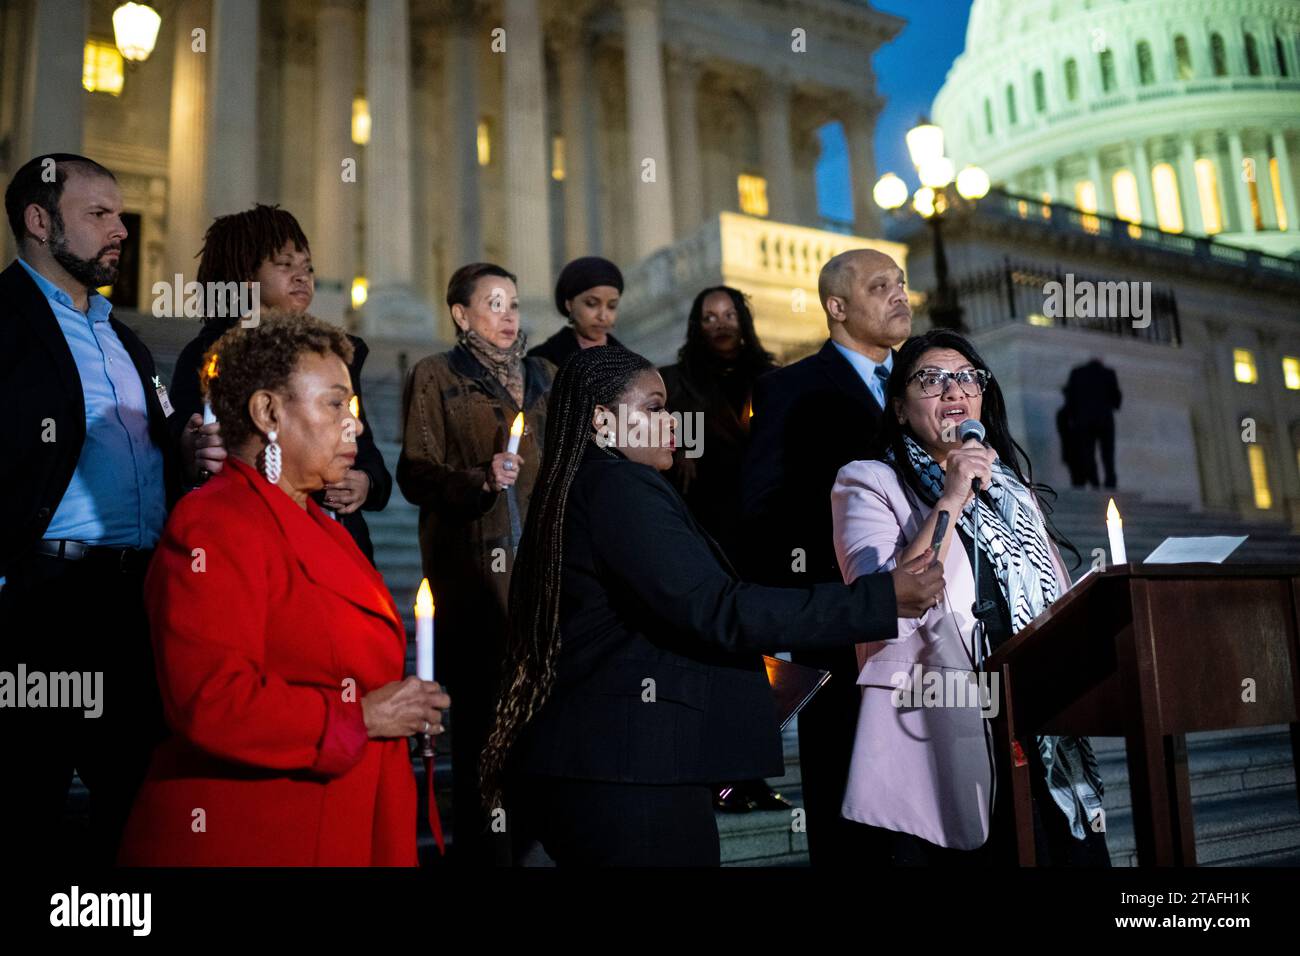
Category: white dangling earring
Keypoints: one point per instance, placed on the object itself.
(271, 459)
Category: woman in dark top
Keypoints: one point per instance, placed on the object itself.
(633, 674)
(266, 245)
(587, 294)
(946, 801)
(711, 386)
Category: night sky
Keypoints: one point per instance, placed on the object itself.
(909, 72)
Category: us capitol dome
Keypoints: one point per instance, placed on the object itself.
(1183, 114)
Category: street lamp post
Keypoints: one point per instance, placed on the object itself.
(940, 191)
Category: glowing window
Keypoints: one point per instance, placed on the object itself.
(1259, 477)
(1071, 80)
(1291, 372)
(1243, 366)
(1085, 199)
(1183, 56)
(1165, 185)
(1276, 178)
(1207, 191)
(101, 68)
(1256, 214)
(1128, 205)
(753, 194)
(1218, 55)
(1146, 67)
(484, 141)
(360, 121)
(557, 158)
(1106, 62)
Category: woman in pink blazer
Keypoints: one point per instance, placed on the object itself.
(923, 764)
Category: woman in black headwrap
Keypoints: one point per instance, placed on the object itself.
(587, 294)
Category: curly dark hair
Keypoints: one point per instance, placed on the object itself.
(245, 360)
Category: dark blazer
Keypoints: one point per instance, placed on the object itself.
(39, 385)
(811, 419)
(188, 400)
(648, 596)
(563, 344)
(1092, 394)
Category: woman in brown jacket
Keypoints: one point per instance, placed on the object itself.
(473, 498)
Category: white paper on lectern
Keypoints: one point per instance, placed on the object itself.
(1195, 550)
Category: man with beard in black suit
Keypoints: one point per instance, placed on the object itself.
(810, 419)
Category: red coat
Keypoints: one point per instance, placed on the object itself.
(254, 651)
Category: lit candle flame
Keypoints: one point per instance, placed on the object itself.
(354, 407)
(424, 600)
(1112, 513)
(517, 428)
(211, 370)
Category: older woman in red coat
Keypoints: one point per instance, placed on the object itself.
(279, 649)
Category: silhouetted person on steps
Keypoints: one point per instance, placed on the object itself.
(1092, 397)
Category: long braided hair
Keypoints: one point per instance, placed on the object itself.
(591, 377)
(235, 246)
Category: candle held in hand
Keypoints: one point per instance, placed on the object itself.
(208, 417)
(424, 632)
(516, 431)
(1115, 530)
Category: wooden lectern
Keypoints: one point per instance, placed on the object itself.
(1150, 653)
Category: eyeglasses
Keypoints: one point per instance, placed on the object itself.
(934, 381)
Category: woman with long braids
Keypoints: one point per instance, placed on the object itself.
(940, 803)
(633, 672)
(712, 382)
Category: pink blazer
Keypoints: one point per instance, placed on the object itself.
(915, 769)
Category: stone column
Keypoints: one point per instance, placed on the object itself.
(1142, 173)
(777, 158)
(651, 178)
(53, 97)
(1052, 183)
(1193, 215)
(573, 58)
(859, 119)
(527, 163)
(683, 98)
(187, 210)
(1240, 189)
(1105, 197)
(1264, 184)
(392, 308)
(1288, 181)
(460, 106)
(333, 245)
(233, 107)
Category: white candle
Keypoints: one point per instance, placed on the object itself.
(208, 417)
(1115, 529)
(424, 632)
(516, 430)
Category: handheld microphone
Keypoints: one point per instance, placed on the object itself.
(971, 428)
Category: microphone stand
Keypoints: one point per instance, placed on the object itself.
(979, 608)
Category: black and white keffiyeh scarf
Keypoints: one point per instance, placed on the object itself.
(1014, 538)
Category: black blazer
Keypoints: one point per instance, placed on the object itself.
(39, 384)
(649, 597)
(188, 400)
(563, 344)
(810, 420)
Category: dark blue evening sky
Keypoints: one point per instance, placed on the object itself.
(909, 72)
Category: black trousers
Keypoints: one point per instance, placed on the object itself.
(590, 823)
(1087, 437)
(827, 726)
(86, 617)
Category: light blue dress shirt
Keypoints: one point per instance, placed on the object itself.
(116, 496)
(873, 374)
